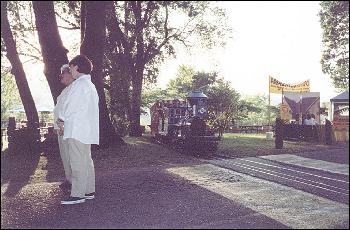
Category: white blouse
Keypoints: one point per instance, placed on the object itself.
(80, 111)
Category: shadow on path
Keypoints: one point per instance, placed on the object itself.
(17, 169)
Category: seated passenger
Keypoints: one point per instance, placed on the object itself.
(313, 120)
(307, 120)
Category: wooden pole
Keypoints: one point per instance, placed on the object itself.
(300, 107)
(268, 109)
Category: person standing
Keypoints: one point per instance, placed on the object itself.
(315, 127)
(80, 122)
(66, 78)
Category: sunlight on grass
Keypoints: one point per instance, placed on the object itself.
(234, 144)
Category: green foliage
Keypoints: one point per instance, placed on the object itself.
(224, 101)
(9, 92)
(151, 95)
(69, 13)
(188, 79)
(203, 80)
(140, 35)
(20, 14)
(22, 22)
(223, 104)
(334, 17)
(255, 110)
(183, 83)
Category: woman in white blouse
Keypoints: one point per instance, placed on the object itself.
(66, 78)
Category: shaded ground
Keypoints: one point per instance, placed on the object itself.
(133, 191)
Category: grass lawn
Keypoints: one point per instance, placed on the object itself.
(234, 144)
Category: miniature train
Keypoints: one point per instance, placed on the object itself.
(183, 123)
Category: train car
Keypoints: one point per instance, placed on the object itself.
(183, 123)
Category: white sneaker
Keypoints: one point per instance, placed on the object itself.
(73, 200)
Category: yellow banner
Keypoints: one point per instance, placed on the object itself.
(276, 86)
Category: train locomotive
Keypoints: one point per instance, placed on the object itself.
(182, 123)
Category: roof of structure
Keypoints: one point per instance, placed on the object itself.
(343, 97)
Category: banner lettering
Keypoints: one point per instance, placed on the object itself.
(276, 86)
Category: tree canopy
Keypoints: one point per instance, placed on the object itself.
(142, 34)
(334, 17)
(9, 92)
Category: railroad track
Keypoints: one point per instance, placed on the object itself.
(329, 185)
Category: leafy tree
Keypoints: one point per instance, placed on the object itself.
(257, 110)
(223, 104)
(203, 80)
(183, 83)
(144, 33)
(21, 16)
(188, 79)
(17, 70)
(150, 95)
(9, 91)
(69, 14)
(334, 17)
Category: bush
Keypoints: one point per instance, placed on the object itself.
(121, 125)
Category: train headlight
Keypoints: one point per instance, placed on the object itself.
(202, 110)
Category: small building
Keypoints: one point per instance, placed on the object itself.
(339, 102)
(340, 116)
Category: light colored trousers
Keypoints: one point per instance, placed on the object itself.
(63, 146)
(80, 167)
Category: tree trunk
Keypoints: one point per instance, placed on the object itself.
(119, 93)
(121, 64)
(82, 21)
(93, 47)
(137, 78)
(135, 129)
(53, 51)
(20, 76)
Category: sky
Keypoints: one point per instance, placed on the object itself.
(280, 39)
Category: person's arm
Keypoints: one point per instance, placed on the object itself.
(60, 123)
(58, 107)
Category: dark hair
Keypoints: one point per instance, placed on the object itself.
(308, 116)
(84, 64)
(312, 116)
